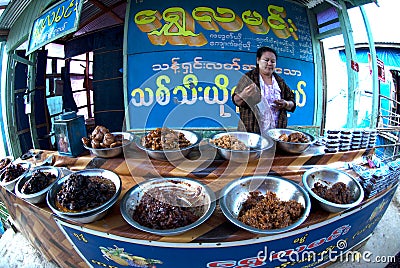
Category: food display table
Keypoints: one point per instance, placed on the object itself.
(112, 242)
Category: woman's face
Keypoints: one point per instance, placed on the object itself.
(267, 63)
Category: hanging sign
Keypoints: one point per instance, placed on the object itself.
(381, 68)
(57, 21)
(355, 66)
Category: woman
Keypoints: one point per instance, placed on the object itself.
(263, 97)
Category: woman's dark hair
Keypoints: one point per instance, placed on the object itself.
(262, 50)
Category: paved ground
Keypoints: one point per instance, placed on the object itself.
(16, 251)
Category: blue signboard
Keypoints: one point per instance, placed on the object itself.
(307, 247)
(184, 59)
(57, 21)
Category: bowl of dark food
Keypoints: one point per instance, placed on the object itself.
(11, 173)
(334, 190)
(291, 141)
(167, 206)
(265, 205)
(167, 144)
(84, 196)
(105, 144)
(5, 162)
(240, 146)
(33, 186)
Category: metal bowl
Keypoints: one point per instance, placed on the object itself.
(91, 217)
(255, 142)
(82, 215)
(186, 192)
(8, 159)
(290, 147)
(235, 193)
(172, 155)
(112, 152)
(11, 184)
(329, 176)
(40, 196)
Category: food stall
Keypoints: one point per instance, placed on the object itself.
(181, 64)
(112, 242)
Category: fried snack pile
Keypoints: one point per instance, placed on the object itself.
(230, 142)
(339, 193)
(102, 138)
(165, 139)
(269, 212)
(294, 137)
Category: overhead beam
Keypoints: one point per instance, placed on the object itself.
(82, 25)
(107, 9)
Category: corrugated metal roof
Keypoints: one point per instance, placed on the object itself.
(102, 21)
(12, 12)
(90, 10)
(19, 32)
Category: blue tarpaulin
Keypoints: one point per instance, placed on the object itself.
(389, 56)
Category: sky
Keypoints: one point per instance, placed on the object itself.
(382, 19)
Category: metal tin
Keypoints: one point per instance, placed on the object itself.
(69, 134)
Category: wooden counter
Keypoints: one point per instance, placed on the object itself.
(38, 225)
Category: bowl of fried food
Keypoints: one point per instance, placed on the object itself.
(334, 190)
(265, 205)
(12, 173)
(240, 146)
(105, 144)
(84, 196)
(33, 186)
(168, 206)
(168, 144)
(291, 141)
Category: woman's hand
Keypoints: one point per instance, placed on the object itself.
(283, 104)
(248, 92)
